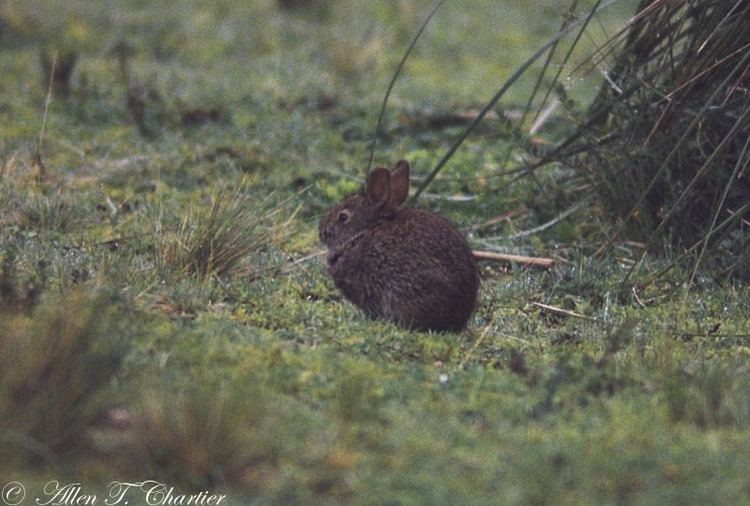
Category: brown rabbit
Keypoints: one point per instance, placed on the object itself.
(402, 264)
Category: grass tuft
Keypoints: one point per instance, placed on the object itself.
(674, 111)
(224, 238)
(708, 395)
(57, 363)
(204, 433)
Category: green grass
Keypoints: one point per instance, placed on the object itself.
(255, 378)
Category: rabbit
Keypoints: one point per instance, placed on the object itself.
(398, 263)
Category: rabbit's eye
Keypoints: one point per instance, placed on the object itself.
(343, 217)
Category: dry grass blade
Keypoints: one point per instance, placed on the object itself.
(545, 263)
(561, 312)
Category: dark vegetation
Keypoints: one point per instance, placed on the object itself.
(674, 166)
(163, 313)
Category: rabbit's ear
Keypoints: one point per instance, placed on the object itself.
(399, 183)
(378, 186)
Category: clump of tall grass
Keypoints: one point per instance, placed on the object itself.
(218, 431)
(50, 212)
(668, 137)
(205, 433)
(224, 238)
(58, 360)
(707, 394)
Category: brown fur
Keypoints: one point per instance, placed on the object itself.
(401, 264)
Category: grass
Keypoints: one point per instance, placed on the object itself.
(57, 371)
(218, 355)
(217, 238)
(691, 142)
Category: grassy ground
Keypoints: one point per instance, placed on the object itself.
(160, 322)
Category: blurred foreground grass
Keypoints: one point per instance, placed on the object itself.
(156, 323)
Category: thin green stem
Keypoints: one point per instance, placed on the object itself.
(393, 82)
(511, 80)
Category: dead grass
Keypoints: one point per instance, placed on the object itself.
(674, 110)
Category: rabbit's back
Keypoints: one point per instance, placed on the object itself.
(415, 270)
